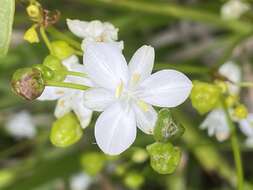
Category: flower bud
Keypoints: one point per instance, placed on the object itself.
(47, 73)
(240, 111)
(33, 11)
(204, 96)
(31, 35)
(231, 100)
(164, 157)
(166, 129)
(134, 180)
(28, 83)
(222, 85)
(139, 155)
(66, 131)
(62, 49)
(93, 162)
(55, 65)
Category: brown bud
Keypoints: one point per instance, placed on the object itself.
(28, 83)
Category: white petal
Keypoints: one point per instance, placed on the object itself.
(77, 27)
(233, 73)
(98, 99)
(216, 124)
(115, 129)
(52, 93)
(105, 65)
(63, 106)
(166, 88)
(246, 125)
(145, 119)
(82, 112)
(142, 63)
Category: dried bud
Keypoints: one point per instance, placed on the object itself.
(28, 83)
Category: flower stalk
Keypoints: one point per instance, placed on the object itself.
(45, 38)
(66, 85)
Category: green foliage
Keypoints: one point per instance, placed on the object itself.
(166, 128)
(164, 157)
(66, 131)
(7, 10)
(205, 96)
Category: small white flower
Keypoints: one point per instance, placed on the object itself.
(70, 99)
(246, 126)
(94, 31)
(233, 9)
(216, 125)
(21, 125)
(80, 181)
(126, 93)
(233, 72)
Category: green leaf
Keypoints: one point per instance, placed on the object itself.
(164, 157)
(7, 10)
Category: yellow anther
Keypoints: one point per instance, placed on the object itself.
(135, 78)
(31, 35)
(241, 111)
(119, 90)
(143, 105)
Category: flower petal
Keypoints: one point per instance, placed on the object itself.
(145, 119)
(142, 63)
(246, 125)
(52, 93)
(63, 106)
(98, 99)
(115, 129)
(77, 27)
(105, 64)
(166, 88)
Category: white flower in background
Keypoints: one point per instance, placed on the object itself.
(80, 181)
(94, 31)
(70, 99)
(233, 9)
(216, 125)
(246, 126)
(232, 72)
(125, 93)
(21, 125)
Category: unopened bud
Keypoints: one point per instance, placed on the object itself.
(28, 83)
(33, 11)
(47, 73)
(62, 49)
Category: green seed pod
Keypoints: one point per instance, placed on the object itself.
(166, 128)
(62, 49)
(56, 66)
(47, 73)
(134, 180)
(93, 162)
(164, 157)
(66, 131)
(28, 83)
(204, 96)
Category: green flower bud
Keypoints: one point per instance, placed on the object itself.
(166, 129)
(28, 83)
(93, 162)
(55, 65)
(139, 155)
(62, 49)
(47, 73)
(134, 180)
(66, 131)
(164, 157)
(204, 96)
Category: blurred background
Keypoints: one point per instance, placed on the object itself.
(188, 35)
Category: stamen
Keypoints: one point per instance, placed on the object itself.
(119, 90)
(135, 78)
(143, 105)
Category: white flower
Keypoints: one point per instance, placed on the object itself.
(70, 99)
(126, 93)
(246, 126)
(21, 125)
(94, 31)
(80, 181)
(216, 125)
(233, 72)
(233, 9)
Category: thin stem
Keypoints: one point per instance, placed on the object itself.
(74, 73)
(245, 84)
(45, 38)
(236, 149)
(66, 85)
(57, 34)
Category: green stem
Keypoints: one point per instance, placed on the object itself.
(57, 34)
(236, 149)
(245, 84)
(73, 73)
(66, 85)
(45, 38)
